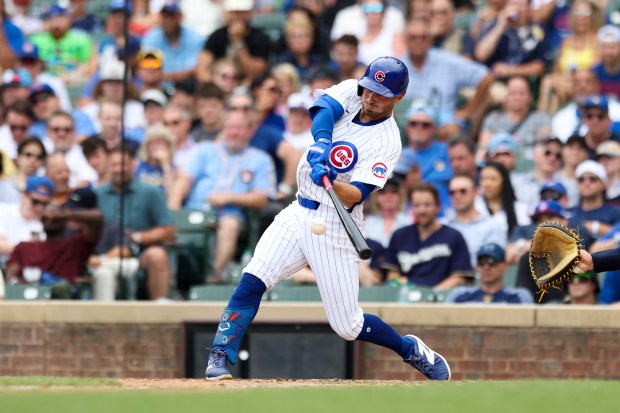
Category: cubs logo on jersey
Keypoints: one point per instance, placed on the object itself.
(343, 157)
(379, 170)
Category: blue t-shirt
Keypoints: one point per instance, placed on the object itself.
(13, 35)
(476, 295)
(435, 167)
(607, 213)
(610, 84)
(179, 57)
(429, 262)
(150, 174)
(268, 138)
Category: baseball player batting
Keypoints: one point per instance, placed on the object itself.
(357, 144)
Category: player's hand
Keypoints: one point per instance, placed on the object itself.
(319, 170)
(585, 264)
(319, 152)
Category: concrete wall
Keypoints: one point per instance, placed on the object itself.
(128, 339)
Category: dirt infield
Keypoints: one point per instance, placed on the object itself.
(201, 384)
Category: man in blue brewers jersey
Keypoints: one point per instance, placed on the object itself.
(356, 145)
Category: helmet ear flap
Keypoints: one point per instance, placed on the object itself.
(360, 90)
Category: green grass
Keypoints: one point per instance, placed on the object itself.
(426, 397)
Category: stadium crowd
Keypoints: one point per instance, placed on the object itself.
(511, 118)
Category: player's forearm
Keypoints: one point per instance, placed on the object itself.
(606, 260)
(348, 194)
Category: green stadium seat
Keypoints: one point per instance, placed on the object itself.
(211, 292)
(379, 293)
(27, 292)
(272, 24)
(418, 294)
(295, 293)
(510, 276)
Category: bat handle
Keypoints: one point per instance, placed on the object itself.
(326, 183)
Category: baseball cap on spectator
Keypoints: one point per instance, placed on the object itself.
(154, 95)
(82, 198)
(16, 77)
(127, 49)
(408, 159)
(580, 140)
(491, 250)
(549, 139)
(592, 167)
(501, 141)
(588, 276)
(41, 88)
(118, 5)
(28, 51)
(238, 5)
(392, 181)
(150, 59)
(422, 108)
(596, 101)
(556, 188)
(187, 85)
(608, 34)
(112, 70)
(55, 10)
(549, 208)
(608, 148)
(323, 72)
(300, 101)
(41, 185)
(171, 6)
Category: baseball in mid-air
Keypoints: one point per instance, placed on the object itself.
(318, 226)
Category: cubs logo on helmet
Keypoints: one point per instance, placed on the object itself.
(343, 156)
(379, 170)
(380, 76)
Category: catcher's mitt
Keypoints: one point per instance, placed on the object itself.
(553, 255)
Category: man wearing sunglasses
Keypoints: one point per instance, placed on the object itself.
(595, 115)
(22, 222)
(583, 289)
(18, 118)
(491, 265)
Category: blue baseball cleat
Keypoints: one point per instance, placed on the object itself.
(426, 361)
(216, 369)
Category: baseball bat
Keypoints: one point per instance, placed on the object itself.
(354, 233)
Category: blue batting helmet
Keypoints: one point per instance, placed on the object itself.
(386, 76)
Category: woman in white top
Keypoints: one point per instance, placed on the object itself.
(380, 38)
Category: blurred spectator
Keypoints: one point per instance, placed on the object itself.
(203, 16)
(111, 87)
(579, 50)
(182, 94)
(248, 46)
(595, 116)
(289, 83)
(58, 171)
(146, 218)
(323, 77)
(179, 122)
(96, 153)
(28, 59)
(379, 39)
(266, 93)
(81, 19)
(301, 14)
(475, 227)
(427, 253)
(350, 20)
(65, 51)
(386, 213)
(150, 69)
(60, 260)
(436, 76)
(501, 149)
(31, 155)
(499, 199)
(517, 118)
(61, 132)
(44, 103)
(596, 213)
(23, 18)
(583, 289)
(18, 119)
(110, 117)
(446, 35)
(462, 155)
(432, 155)
(210, 107)
(491, 265)
(345, 53)
(419, 9)
(155, 102)
(283, 154)
(227, 75)
(608, 71)
(179, 45)
(11, 39)
(298, 122)
(514, 45)
(299, 37)
(608, 155)
(21, 221)
(155, 166)
(547, 156)
(554, 16)
(226, 176)
(14, 87)
(574, 151)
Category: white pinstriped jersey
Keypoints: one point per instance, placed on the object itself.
(362, 153)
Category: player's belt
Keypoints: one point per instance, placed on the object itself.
(311, 204)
